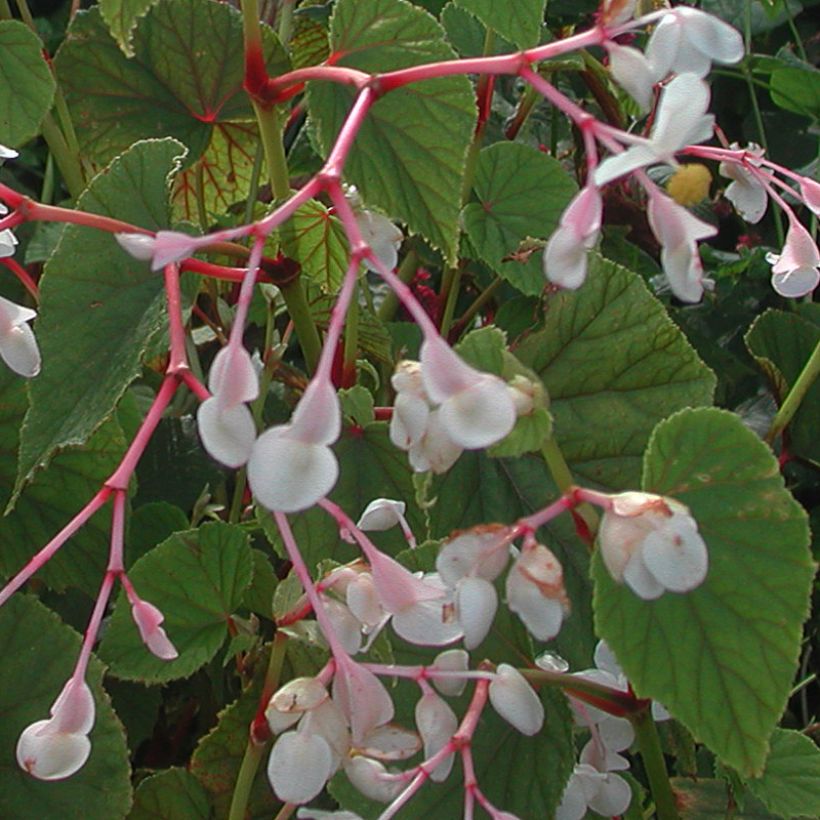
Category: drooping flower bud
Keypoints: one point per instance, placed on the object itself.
(148, 620)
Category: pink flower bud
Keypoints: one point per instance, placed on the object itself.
(148, 619)
(515, 700)
(565, 256)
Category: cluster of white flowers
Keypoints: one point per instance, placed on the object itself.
(443, 407)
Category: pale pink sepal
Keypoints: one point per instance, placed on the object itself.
(389, 743)
(795, 270)
(148, 620)
(810, 191)
(18, 347)
(381, 514)
(451, 660)
(437, 723)
(372, 779)
(476, 602)
(515, 700)
(299, 766)
(232, 378)
(228, 434)
(361, 697)
(383, 237)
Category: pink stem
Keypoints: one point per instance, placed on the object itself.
(178, 359)
(370, 550)
(194, 385)
(41, 558)
(23, 275)
(332, 169)
(286, 209)
(246, 293)
(214, 271)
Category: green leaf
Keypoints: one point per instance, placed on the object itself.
(521, 193)
(53, 498)
(150, 524)
(409, 155)
(790, 783)
(39, 653)
(197, 579)
(520, 22)
(218, 756)
(186, 75)
(798, 90)
(170, 795)
(707, 799)
(121, 16)
(614, 365)
(225, 170)
(26, 84)
(721, 657)
(99, 307)
(781, 344)
(317, 241)
(259, 595)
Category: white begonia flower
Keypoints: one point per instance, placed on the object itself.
(603, 792)
(451, 660)
(565, 256)
(688, 41)
(148, 620)
(475, 408)
(681, 120)
(633, 72)
(383, 237)
(18, 347)
(292, 466)
(652, 544)
(435, 450)
(383, 514)
(515, 700)
(300, 764)
(361, 696)
(795, 269)
(327, 721)
(483, 551)
(678, 232)
(745, 192)
(437, 723)
(56, 748)
(535, 591)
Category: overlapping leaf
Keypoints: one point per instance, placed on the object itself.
(409, 155)
(721, 657)
(186, 75)
(39, 653)
(99, 307)
(520, 22)
(172, 793)
(26, 84)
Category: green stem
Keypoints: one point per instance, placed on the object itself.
(201, 211)
(406, 272)
(649, 745)
(798, 40)
(5, 10)
(47, 192)
(254, 750)
(285, 28)
(452, 297)
(253, 188)
(478, 303)
(66, 161)
(561, 475)
(25, 13)
(796, 395)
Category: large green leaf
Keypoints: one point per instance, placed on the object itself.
(39, 653)
(317, 241)
(26, 84)
(173, 794)
(521, 193)
(798, 90)
(185, 76)
(409, 155)
(197, 579)
(721, 657)
(790, 783)
(53, 498)
(99, 307)
(614, 366)
(520, 22)
(782, 343)
(121, 16)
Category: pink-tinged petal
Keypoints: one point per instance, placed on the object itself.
(673, 225)
(389, 743)
(541, 615)
(613, 797)
(475, 601)
(409, 420)
(677, 556)
(796, 283)
(289, 475)
(327, 721)
(148, 619)
(381, 514)
(633, 72)
(444, 372)
(451, 660)
(515, 700)
(362, 698)
(228, 435)
(435, 450)
(640, 580)
(73, 711)
(437, 723)
(398, 588)
(799, 251)
(684, 272)
(362, 599)
(298, 695)
(20, 352)
(810, 191)
(429, 623)
(482, 550)
(372, 779)
(299, 766)
(232, 377)
(317, 418)
(48, 754)
(711, 35)
(383, 237)
(347, 627)
(565, 260)
(139, 245)
(637, 156)
(172, 246)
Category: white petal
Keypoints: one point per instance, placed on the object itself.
(299, 766)
(289, 475)
(640, 580)
(684, 270)
(541, 615)
(383, 237)
(73, 710)
(362, 698)
(381, 514)
(327, 721)
(428, 623)
(8, 242)
(317, 418)
(347, 627)
(482, 551)
(681, 117)
(363, 600)
(7, 153)
(677, 556)
(233, 376)
(711, 35)
(50, 755)
(229, 434)
(451, 660)
(409, 420)
(139, 245)
(298, 695)
(19, 350)
(663, 46)
(476, 602)
(616, 734)
(796, 283)
(605, 660)
(437, 723)
(565, 260)
(638, 156)
(749, 198)
(515, 700)
(613, 798)
(810, 191)
(148, 619)
(633, 72)
(435, 450)
(368, 776)
(390, 742)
